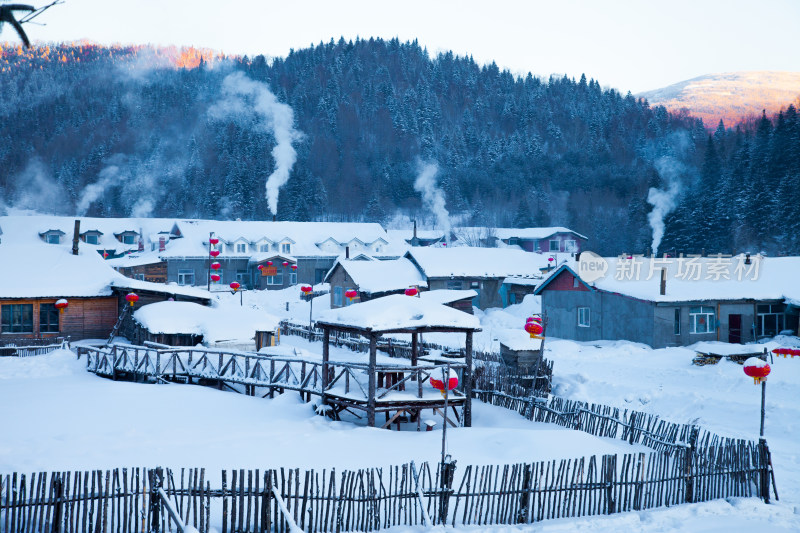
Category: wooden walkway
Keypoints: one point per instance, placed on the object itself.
(401, 393)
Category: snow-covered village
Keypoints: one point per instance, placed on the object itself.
(339, 267)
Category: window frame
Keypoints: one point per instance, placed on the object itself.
(277, 279)
(129, 239)
(12, 318)
(183, 273)
(557, 247)
(286, 248)
(53, 238)
(584, 317)
(92, 239)
(47, 312)
(772, 310)
(698, 313)
(455, 285)
(241, 247)
(676, 328)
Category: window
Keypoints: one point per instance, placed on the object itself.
(292, 278)
(277, 279)
(48, 318)
(575, 282)
(584, 317)
(338, 292)
(454, 285)
(769, 319)
(570, 246)
(263, 248)
(128, 239)
(286, 248)
(677, 326)
(91, 239)
(186, 276)
(243, 277)
(17, 318)
(555, 245)
(701, 319)
(53, 238)
(140, 277)
(241, 248)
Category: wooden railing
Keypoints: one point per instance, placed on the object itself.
(258, 373)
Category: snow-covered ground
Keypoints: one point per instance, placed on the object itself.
(57, 416)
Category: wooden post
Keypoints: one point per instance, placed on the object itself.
(326, 341)
(689, 487)
(155, 498)
(415, 361)
(58, 493)
(468, 381)
(373, 341)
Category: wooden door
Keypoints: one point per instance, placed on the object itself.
(735, 329)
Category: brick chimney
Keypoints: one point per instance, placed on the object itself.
(663, 281)
(162, 243)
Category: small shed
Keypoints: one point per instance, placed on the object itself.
(372, 278)
(457, 299)
(399, 314)
(520, 351)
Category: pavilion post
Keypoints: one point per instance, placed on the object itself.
(468, 381)
(326, 342)
(373, 344)
(414, 362)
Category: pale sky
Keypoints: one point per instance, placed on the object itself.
(634, 45)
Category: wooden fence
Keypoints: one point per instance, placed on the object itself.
(142, 500)
(31, 347)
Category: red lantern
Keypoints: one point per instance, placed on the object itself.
(534, 329)
(269, 263)
(350, 294)
(215, 277)
(781, 351)
(412, 291)
(215, 266)
(437, 383)
(794, 353)
(305, 289)
(132, 298)
(757, 369)
(285, 264)
(551, 259)
(61, 305)
(294, 267)
(214, 241)
(214, 253)
(235, 285)
(260, 267)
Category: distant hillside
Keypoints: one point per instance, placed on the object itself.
(732, 97)
(138, 131)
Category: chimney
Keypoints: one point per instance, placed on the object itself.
(274, 218)
(162, 243)
(141, 240)
(663, 281)
(347, 252)
(578, 257)
(76, 236)
(415, 229)
(747, 259)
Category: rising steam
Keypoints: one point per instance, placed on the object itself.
(242, 97)
(432, 195)
(110, 176)
(664, 200)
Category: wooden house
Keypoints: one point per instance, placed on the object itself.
(679, 311)
(371, 279)
(482, 270)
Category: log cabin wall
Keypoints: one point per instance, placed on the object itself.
(85, 318)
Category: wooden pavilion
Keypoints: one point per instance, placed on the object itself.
(387, 391)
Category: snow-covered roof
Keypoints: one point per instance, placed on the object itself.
(517, 340)
(40, 270)
(399, 312)
(470, 262)
(520, 233)
(702, 278)
(382, 276)
(230, 322)
(327, 239)
(447, 296)
(531, 281)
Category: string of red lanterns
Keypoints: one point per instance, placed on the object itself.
(785, 352)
